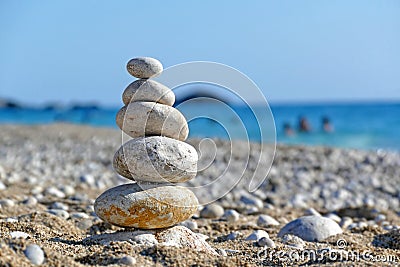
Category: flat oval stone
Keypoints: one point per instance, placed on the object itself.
(148, 90)
(156, 159)
(140, 119)
(146, 206)
(144, 67)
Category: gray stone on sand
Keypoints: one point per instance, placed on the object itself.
(266, 242)
(140, 119)
(212, 211)
(30, 201)
(84, 224)
(192, 225)
(311, 211)
(346, 222)
(2, 186)
(19, 234)
(7, 202)
(156, 159)
(253, 201)
(148, 91)
(311, 228)
(222, 252)
(233, 236)
(55, 192)
(257, 235)
(59, 206)
(79, 215)
(266, 221)
(334, 217)
(293, 241)
(87, 179)
(128, 261)
(182, 237)
(144, 67)
(34, 254)
(146, 240)
(231, 216)
(59, 213)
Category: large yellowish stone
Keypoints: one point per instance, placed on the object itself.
(152, 207)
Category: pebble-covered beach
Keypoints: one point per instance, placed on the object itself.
(50, 176)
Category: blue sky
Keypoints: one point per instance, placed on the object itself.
(74, 50)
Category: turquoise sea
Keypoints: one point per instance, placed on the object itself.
(356, 125)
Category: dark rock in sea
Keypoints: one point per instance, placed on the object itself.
(4, 103)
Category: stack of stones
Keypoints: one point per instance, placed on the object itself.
(156, 158)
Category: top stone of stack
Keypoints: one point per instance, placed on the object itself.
(144, 67)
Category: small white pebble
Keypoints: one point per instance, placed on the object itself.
(311, 211)
(59, 206)
(68, 190)
(2, 186)
(233, 236)
(388, 227)
(11, 220)
(257, 235)
(266, 242)
(19, 234)
(212, 211)
(380, 218)
(266, 221)
(222, 252)
(128, 260)
(346, 222)
(7, 203)
(55, 192)
(30, 201)
(60, 213)
(34, 254)
(333, 217)
(79, 215)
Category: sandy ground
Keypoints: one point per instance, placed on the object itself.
(34, 159)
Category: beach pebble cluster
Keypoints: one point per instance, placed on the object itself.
(155, 158)
(315, 189)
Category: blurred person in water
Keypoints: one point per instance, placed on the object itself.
(327, 126)
(304, 125)
(287, 129)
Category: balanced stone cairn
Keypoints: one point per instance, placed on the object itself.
(155, 158)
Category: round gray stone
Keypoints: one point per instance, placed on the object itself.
(156, 159)
(311, 228)
(139, 119)
(148, 91)
(144, 67)
(212, 211)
